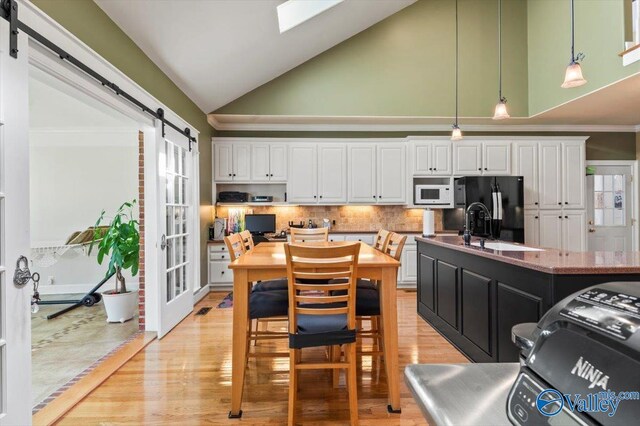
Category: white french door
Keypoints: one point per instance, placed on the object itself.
(15, 315)
(175, 194)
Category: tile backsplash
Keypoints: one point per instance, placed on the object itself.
(347, 218)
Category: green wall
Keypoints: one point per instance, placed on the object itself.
(600, 35)
(404, 66)
(85, 20)
(600, 145)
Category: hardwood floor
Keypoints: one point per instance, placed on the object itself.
(185, 379)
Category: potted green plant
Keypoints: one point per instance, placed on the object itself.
(120, 242)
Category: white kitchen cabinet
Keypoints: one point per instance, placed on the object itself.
(526, 165)
(532, 227)
(573, 175)
(232, 162)
(496, 158)
(332, 173)
(365, 238)
(467, 158)
(222, 162)
(336, 237)
(574, 230)
(303, 175)
(409, 260)
(432, 158)
(391, 171)
(362, 173)
(278, 164)
(550, 186)
(219, 273)
(260, 162)
(551, 229)
(241, 162)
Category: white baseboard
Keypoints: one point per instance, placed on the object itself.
(221, 287)
(199, 294)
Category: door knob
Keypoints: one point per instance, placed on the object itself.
(592, 229)
(163, 242)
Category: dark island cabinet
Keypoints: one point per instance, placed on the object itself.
(474, 301)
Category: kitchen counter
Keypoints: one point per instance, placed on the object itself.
(474, 296)
(550, 261)
(462, 394)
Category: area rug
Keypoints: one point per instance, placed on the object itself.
(227, 302)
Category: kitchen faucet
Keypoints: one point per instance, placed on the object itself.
(467, 221)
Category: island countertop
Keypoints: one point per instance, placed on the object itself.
(550, 261)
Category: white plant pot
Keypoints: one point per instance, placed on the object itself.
(120, 307)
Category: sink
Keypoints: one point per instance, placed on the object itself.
(499, 246)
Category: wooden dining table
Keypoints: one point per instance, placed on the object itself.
(267, 261)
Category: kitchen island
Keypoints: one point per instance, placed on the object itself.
(473, 295)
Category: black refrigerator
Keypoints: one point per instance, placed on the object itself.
(503, 196)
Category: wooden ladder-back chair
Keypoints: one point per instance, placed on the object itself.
(303, 235)
(264, 305)
(319, 317)
(247, 240)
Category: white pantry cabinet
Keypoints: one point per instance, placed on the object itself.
(573, 175)
(473, 158)
(532, 227)
(232, 162)
(526, 165)
(563, 229)
(550, 160)
(432, 157)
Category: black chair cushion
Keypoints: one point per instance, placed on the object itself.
(361, 283)
(271, 285)
(367, 301)
(321, 330)
(267, 304)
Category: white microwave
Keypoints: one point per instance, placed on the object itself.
(433, 194)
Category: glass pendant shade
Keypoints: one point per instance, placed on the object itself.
(456, 134)
(501, 111)
(573, 76)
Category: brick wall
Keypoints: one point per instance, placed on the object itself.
(141, 297)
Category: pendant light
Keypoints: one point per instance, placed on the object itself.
(500, 112)
(573, 75)
(456, 133)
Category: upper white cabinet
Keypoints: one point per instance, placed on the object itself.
(268, 162)
(496, 157)
(432, 158)
(392, 175)
(550, 158)
(332, 173)
(231, 162)
(562, 175)
(482, 157)
(573, 175)
(377, 173)
(526, 165)
(362, 173)
(467, 158)
(303, 174)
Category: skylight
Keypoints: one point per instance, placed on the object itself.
(294, 12)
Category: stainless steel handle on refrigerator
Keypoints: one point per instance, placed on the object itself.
(163, 242)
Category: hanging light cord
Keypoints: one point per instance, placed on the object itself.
(456, 124)
(580, 56)
(500, 98)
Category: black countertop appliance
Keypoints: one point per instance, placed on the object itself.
(503, 196)
(582, 350)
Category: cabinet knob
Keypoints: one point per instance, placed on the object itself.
(486, 168)
(480, 168)
(222, 272)
(566, 217)
(379, 196)
(321, 196)
(222, 257)
(271, 175)
(559, 204)
(234, 174)
(535, 217)
(566, 202)
(559, 217)
(222, 248)
(315, 196)
(229, 174)
(267, 175)
(536, 203)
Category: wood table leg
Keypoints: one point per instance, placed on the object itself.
(389, 311)
(240, 324)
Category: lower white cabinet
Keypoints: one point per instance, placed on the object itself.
(562, 229)
(532, 227)
(409, 268)
(219, 273)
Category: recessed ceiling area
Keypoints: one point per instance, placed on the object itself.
(217, 51)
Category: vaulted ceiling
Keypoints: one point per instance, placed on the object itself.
(216, 51)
